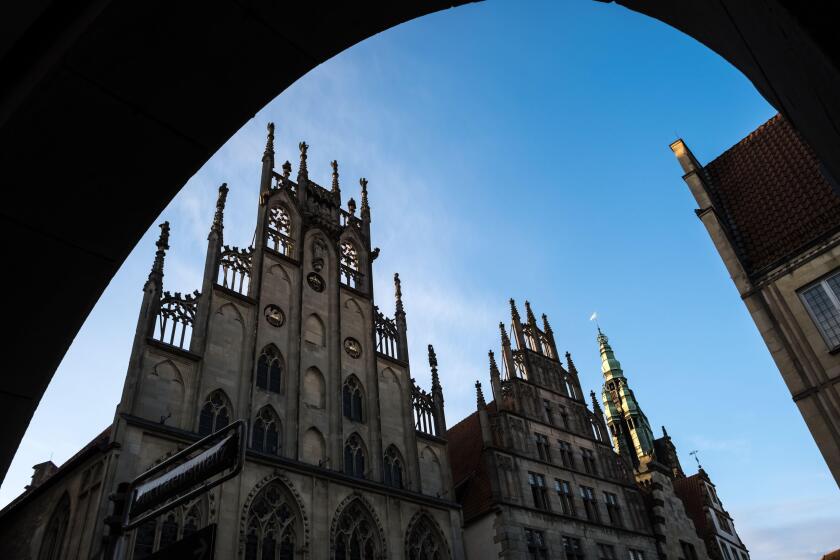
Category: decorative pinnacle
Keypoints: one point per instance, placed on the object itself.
(433, 363)
(595, 406)
(351, 206)
(479, 395)
(546, 326)
(494, 369)
(365, 206)
(514, 313)
(530, 314)
(570, 364)
(160, 254)
(218, 218)
(505, 339)
(287, 169)
(269, 142)
(303, 172)
(335, 187)
(398, 292)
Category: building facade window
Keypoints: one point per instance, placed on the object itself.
(606, 552)
(215, 414)
(352, 399)
(549, 416)
(688, 551)
(269, 369)
(265, 435)
(636, 554)
(543, 447)
(538, 491)
(425, 541)
(589, 464)
(590, 505)
(393, 467)
(356, 535)
(613, 509)
(354, 457)
(564, 492)
(536, 545)
(53, 540)
(822, 300)
(723, 522)
(566, 456)
(573, 548)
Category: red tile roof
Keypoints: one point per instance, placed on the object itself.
(472, 482)
(770, 192)
(834, 555)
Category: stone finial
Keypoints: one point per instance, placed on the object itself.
(529, 313)
(570, 364)
(665, 433)
(351, 206)
(479, 396)
(398, 292)
(433, 363)
(269, 142)
(514, 313)
(546, 325)
(365, 206)
(218, 217)
(160, 254)
(303, 172)
(505, 339)
(494, 369)
(596, 407)
(287, 169)
(336, 190)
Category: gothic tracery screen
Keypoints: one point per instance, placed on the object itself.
(425, 542)
(272, 526)
(356, 536)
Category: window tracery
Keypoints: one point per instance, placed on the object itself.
(393, 467)
(272, 526)
(353, 399)
(354, 457)
(280, 231)
(269, 369)
(350, 275)
(215, 414)
(265, 435)
(158, 533)
(424, 541)
(356, 536)
(53, 539)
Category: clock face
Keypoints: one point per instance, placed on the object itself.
(315, 281)
(352, 347)
(274, 315)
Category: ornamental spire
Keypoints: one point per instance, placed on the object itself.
(160, 254)
(514, 313)
(596, 407)
(505, 339)
(494, 369)
(530, 314)
(610, 366)
(479, 396)
(335, 188)
(218, 218)
(433, 364)
(570, 364)
(269, 143)
(546, 326)
(303, 172)
(398, 291)
(365, 206)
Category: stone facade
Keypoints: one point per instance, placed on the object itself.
(347, 456)
(774, 217)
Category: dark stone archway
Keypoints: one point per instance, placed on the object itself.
(108, 107)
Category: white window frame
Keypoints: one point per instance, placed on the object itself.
(823, 282)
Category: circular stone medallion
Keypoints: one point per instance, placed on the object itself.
(274, 315)
(315, 281)
(352, 347)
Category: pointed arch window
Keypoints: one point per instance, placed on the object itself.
(265, 435)
(53, 540)
(350, 275)
(215, 414)
(356, 537)
(280, 230)
(393, 467)
(425, 541)
(352, 398)
(354, 457)
(272, 525)
(159, 533)
(270, 369)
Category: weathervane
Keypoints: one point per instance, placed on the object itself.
(696, 458)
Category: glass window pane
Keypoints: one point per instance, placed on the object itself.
(826, 315)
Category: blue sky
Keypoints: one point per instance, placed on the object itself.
(516, 150)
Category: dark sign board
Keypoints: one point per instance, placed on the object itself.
(200, 545)
(188, 473)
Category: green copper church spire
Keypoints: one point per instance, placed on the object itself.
(628, 425)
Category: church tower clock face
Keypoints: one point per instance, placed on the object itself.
(352, 347)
